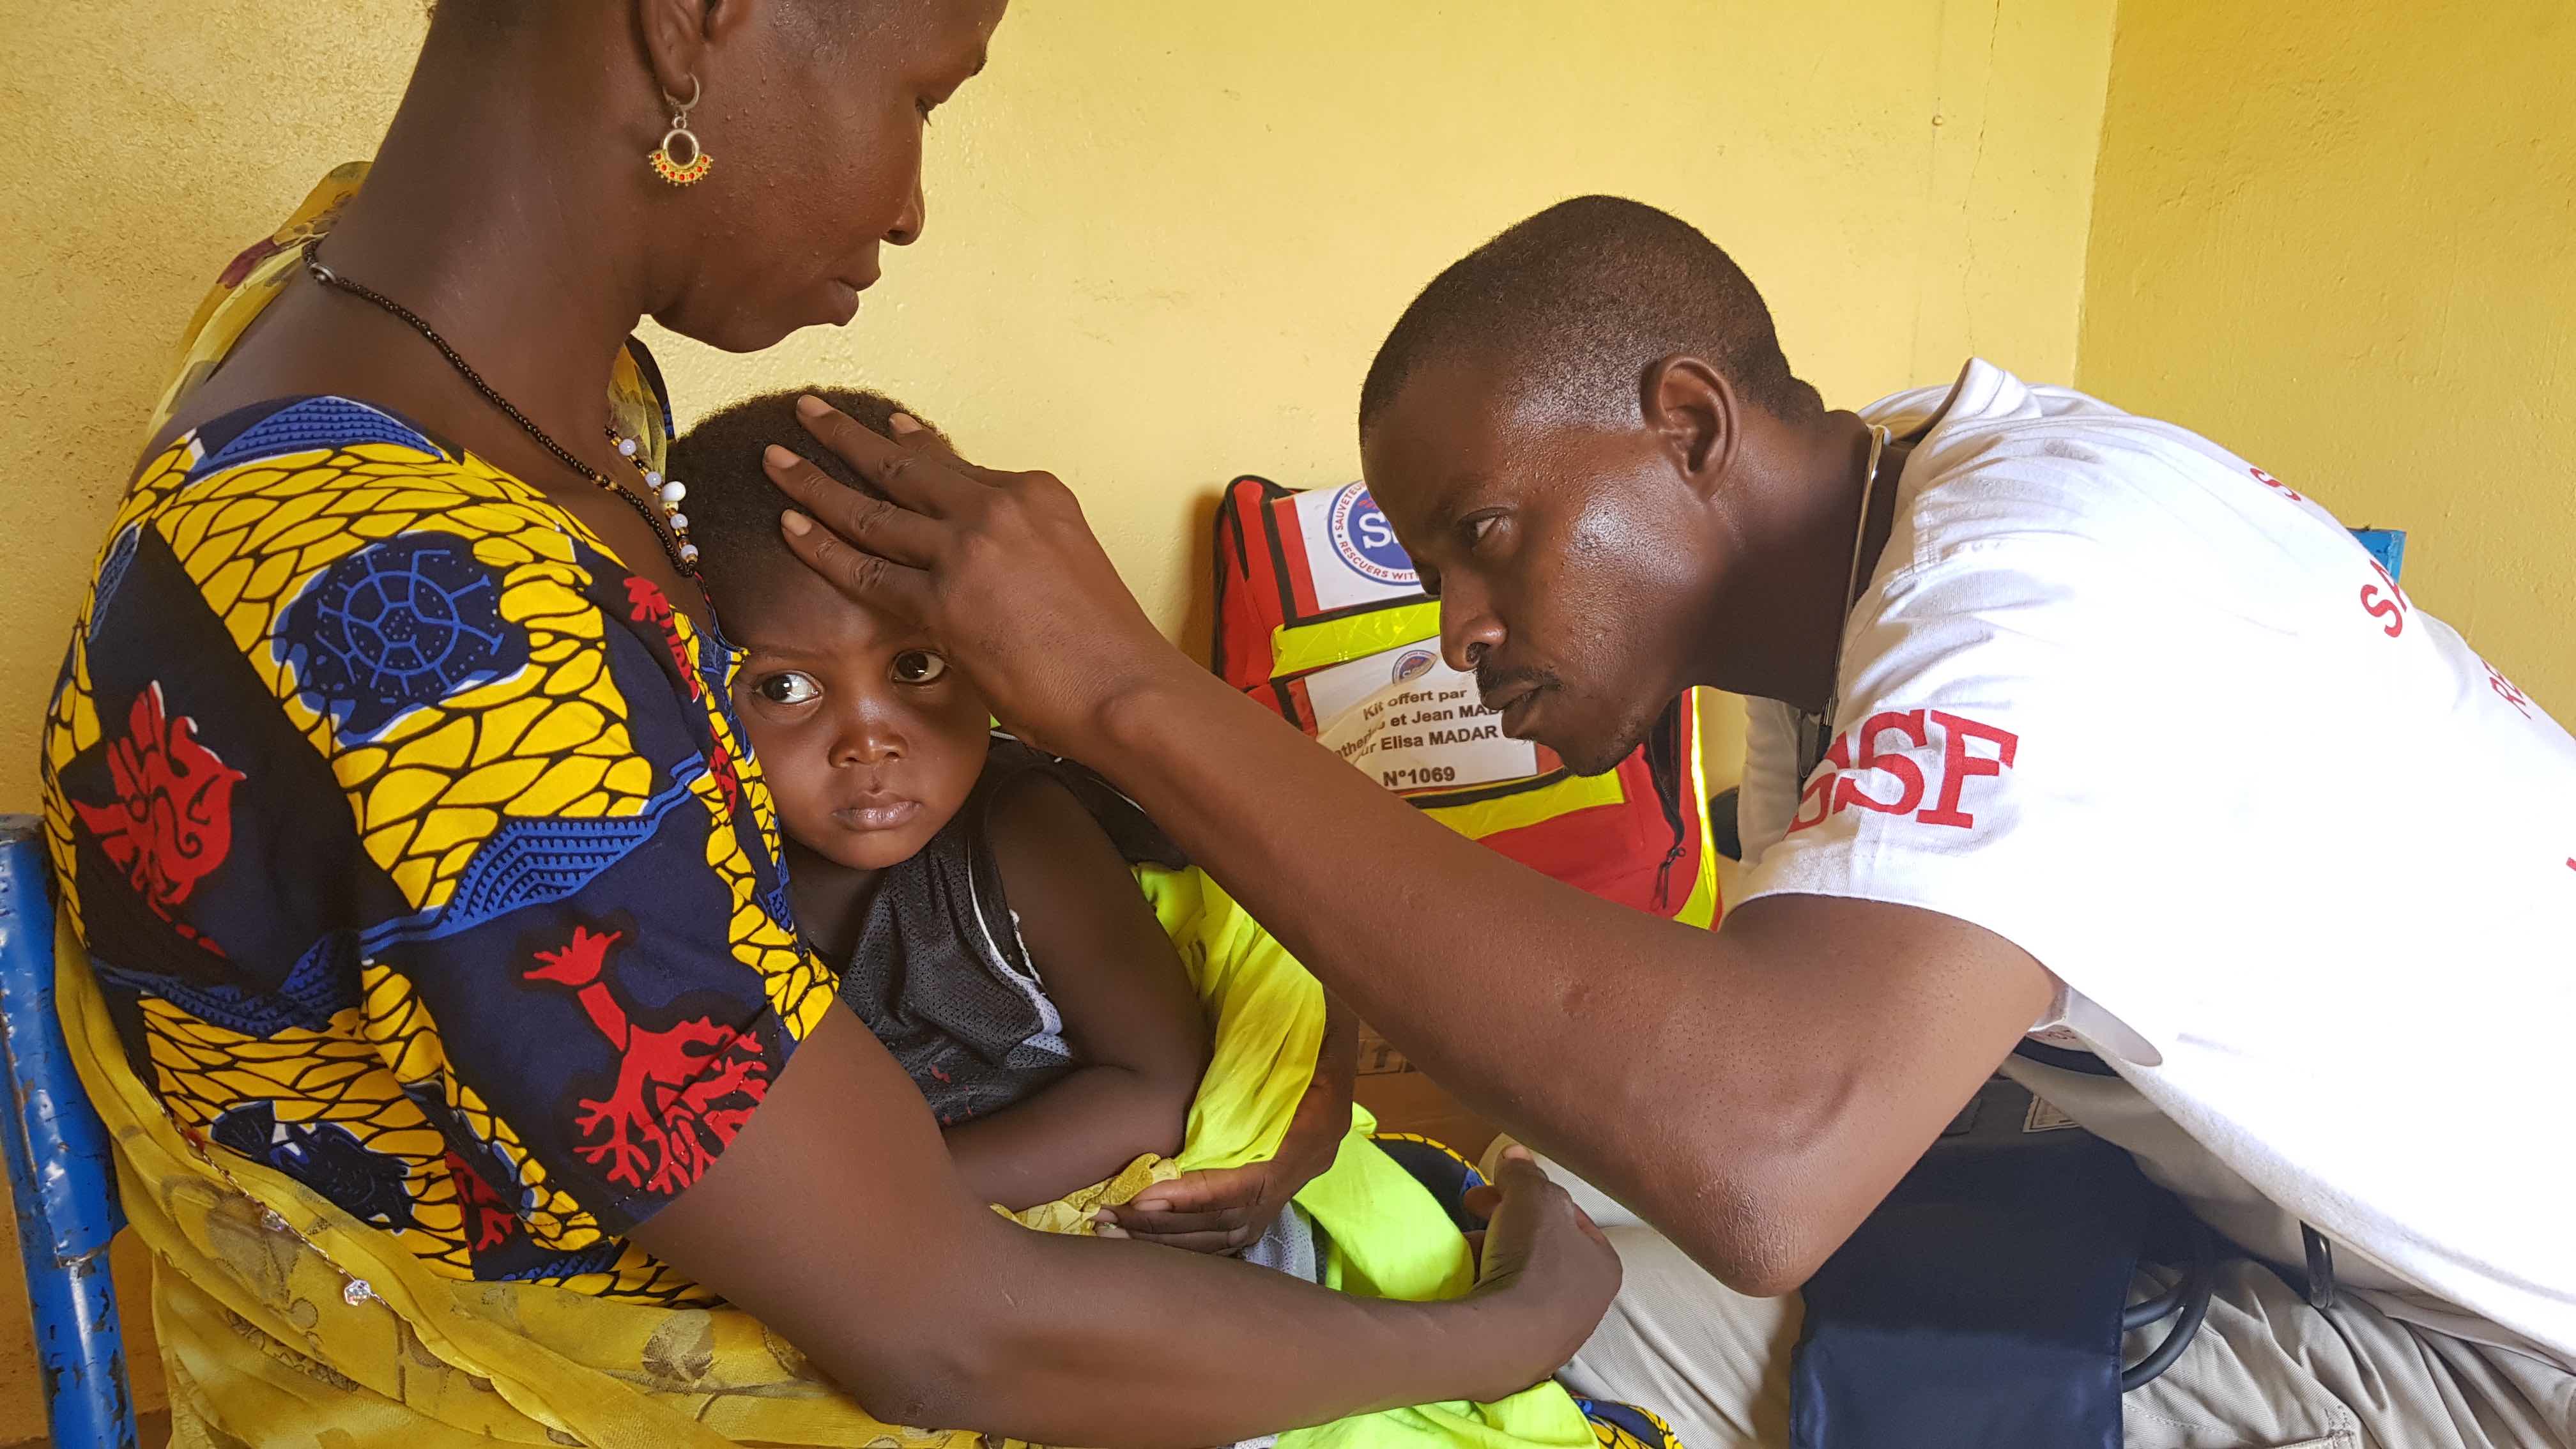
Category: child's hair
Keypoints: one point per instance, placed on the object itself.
(732, 506)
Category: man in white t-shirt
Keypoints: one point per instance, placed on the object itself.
(2067, 724)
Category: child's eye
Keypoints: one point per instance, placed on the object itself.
(788, 687)
(918, 666)
(1478, 526)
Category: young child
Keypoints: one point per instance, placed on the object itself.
(975, 895)
(1007, 924)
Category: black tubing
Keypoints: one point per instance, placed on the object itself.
(2195, 1287)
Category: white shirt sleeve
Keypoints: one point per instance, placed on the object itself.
(1996, 759)
(1764, 802)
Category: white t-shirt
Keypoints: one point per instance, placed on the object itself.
(2305, 863)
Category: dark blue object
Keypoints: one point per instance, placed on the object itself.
(61, 1179)
(1983, 1302)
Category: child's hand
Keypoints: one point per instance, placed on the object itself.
(1219, 1210)
(1225, 1210)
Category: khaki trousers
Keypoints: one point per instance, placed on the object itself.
(2267, 1370)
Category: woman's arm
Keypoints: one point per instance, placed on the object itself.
(1130, 1014)
(833, 1217)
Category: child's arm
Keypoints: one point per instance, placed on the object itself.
(1221, 1209)
(1129, 1010)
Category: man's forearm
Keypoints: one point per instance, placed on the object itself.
(1522, 994)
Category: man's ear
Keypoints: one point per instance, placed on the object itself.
(1692, 408)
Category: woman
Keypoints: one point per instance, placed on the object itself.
(446, 999)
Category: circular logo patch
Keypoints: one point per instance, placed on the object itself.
(1413, 664)
(1363, 539)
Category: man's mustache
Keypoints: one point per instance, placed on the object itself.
(1490, 681)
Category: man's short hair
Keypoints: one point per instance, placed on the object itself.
(731, 505)
(1581, 299)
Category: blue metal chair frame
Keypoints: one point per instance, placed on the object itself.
(62, 1180)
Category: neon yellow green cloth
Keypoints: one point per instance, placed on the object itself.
(1386, 1236)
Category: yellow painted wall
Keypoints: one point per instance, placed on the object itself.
(2340, 238)
(1165, 235)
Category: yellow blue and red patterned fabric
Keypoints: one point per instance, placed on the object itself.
(404, 828)
(1625, 1426)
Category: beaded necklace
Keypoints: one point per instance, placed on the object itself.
(671, 526)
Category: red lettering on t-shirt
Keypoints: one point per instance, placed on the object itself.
(1818, 792)
(1958, 766)
(1908, 775)
(2390, 607)
(2277, 486)
(1836, 789)
(2505, 690)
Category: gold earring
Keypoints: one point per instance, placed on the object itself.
(669, 166)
